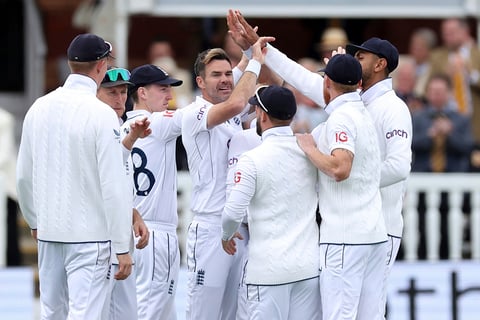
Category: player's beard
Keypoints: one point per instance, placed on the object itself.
(258, 128)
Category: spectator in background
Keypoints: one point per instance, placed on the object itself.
(8, 161)
(161, 54)
(309, 114)
(404, 83)
(442, 137)
(459, 57)
(442, 142)
(422, 42)
(331, 39)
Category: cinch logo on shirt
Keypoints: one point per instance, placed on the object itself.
(237, 177)
(201, 112)
(232, 161)
(341, 137)
(397, 132)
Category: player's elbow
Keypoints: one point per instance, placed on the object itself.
(340, 174)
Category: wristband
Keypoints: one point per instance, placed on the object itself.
(248, 53)
(254, 66)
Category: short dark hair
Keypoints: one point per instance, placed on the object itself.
(207, 56)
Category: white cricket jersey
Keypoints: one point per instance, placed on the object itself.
(393, 123)
(207, 157)
(70, 175)
(351, 209)
(154, 165)
(276, 181)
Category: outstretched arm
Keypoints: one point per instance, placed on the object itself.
(138, 129)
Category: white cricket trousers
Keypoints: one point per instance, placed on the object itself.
(73, 279)
(213, 275)
(121, 300)
(157, 266)
(352, 280)
(291, 301)
(392, 252)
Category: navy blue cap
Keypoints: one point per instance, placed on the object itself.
(88, 47)
(278, 102)
(150, 74)
(380, 47)
(344, 69)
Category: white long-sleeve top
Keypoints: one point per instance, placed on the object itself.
(277, 183)
(207, 158)
(393, 124)
(71, 179)
(307, 82)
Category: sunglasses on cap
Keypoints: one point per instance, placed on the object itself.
(258, 98)
(114, 73)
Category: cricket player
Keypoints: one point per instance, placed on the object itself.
(277, 182)
(122, 299)
(71, 188)
(353, 236)
(155, 195)
(393, 123)
(207, 127)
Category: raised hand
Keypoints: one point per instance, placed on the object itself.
(248, 32)
(340, 50)
(236, 31)
(259, 48)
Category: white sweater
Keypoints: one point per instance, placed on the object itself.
(351, 209)
(279, 182)
(70, 175)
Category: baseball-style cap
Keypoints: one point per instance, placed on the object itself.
(276, 101)
(380, 47)
(88, 47)
(116, 77)
(150, 74)
(344, 69)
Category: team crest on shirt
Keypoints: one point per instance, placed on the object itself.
(341, 136)
(116, 135)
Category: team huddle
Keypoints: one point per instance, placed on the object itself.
(100, 194)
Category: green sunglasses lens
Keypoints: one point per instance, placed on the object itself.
(113, 74)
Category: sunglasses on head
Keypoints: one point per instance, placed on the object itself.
(114, 73)
(258, 98)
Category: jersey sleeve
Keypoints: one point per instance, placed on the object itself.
(194, 119)
(307, 82)
(341, 132)
(397, 136)
(240, 196)
(166, 125)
